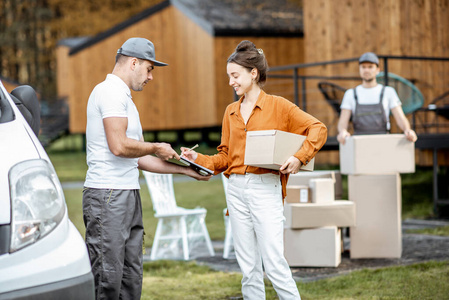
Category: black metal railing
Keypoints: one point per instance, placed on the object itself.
(296, 76)
(54, 120)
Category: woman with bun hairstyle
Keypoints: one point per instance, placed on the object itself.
(255, 195)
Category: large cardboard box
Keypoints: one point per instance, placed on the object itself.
(270, 149)
(303, 178)
(298, 194)
(339, 213)
(377, 154)
(377, 232)
(318, 247)
(322, 190)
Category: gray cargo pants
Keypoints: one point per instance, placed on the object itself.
(114, 239)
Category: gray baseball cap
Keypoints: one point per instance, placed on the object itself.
(369, 57)
(140, 48)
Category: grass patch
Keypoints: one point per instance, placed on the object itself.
(417, 193)
(187, 280)
(70, 166)
(419, 281)
(440, 231)
(189, 194)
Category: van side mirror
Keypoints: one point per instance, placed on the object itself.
(26, 101)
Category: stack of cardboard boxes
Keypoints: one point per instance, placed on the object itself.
(313, 217)
(373, 164)
(312, 236)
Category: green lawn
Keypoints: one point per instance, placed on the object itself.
(190, 194)
(187, 280)
(440, 231)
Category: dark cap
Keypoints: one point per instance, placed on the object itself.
(369, 57)
(140, 48)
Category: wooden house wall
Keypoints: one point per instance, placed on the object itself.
(179, 95)
(62, 71)
(345, 29)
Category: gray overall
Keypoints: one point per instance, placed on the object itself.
(369, 118)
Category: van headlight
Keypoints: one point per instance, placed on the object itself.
(37, 202)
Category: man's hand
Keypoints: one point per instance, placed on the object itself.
(291, 166)
(165, 151)
(341, 137)
(189, 154)
(411, 135)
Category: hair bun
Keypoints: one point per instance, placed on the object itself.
(245, 46)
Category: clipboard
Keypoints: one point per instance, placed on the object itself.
(196, 167)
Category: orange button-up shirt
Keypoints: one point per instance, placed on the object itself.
(270, 112)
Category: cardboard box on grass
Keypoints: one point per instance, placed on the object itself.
(317, 247)
(322, 190)
(297, 194)
(377, 154)
(303, 178)
(378, 230)
(270, 149)
(341, 213)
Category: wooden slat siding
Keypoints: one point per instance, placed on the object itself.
(324, 37)
(62, 71)
(278, 51)
(414, 28)
(169, 26)
(195, 75)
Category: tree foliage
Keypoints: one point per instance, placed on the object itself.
(30, 30)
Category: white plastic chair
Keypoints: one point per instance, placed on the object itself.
(228, 242)
(177, 228)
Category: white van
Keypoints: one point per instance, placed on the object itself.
(42, 255)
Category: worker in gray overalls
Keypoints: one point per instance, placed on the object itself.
(370, 104)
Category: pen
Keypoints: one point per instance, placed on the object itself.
(193, 147)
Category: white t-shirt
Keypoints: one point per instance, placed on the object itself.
(111, 98)
(371, 96)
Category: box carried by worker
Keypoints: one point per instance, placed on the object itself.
(377, 154)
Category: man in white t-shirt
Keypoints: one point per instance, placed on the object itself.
(370, 104)
(116, 151)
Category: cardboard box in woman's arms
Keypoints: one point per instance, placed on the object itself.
(270, 149)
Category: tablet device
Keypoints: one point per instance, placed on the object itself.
(196, 167)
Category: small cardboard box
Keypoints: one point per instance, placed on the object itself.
(339, 213)
(377, 154)
(318, 247)
(322, 190)
(378, 229)
(297, 194)
(270, 149)
(303, 178)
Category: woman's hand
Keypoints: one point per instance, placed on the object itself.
(291, 166)
(189, 154)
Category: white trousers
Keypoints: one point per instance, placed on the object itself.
(256, 213)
